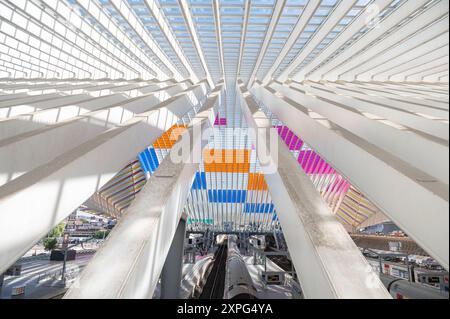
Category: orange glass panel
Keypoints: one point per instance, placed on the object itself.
(226, 161)
(168, 139)
(256, 181)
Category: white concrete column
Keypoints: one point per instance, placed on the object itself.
(416, 202)
(130, 262)
(33, 203)
(24, 152)
(386, 135)
(173, 267)
(383, 111)
(326, 259)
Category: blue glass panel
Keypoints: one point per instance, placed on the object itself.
(259, 208)
(227, 196)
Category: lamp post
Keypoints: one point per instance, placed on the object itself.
(64, 247)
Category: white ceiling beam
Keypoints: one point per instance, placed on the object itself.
(440, 88)
(402, 117)
(125, 11)
(443, 60)
(93, 55)
(428, 98)
(414, 149)
(166, 30)
(430, 75)
(61, 137)
(407, 38)
(369, 92)
(68, 180)
(277, 12)
(216, 10)
(62, 109)
(142, 238)
(106, 22)
(396, 69)
(298, 29)
(393, 70)
(417, 204)
(392, 20)
(247, 7)
(327, 261)
(332, 20)
(92, 41)
(12, 55)
(194, 36)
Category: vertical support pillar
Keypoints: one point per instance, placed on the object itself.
(173, 267)
(130, 262)
(328, 262)
(2, 279)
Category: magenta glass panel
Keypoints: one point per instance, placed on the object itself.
(220, 121)
(310, 161)
(314, 166)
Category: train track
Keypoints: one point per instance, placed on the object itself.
(215, 284)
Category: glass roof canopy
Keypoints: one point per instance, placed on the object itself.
(213, 39)
(203, 17)
(251, 40)
(231, 40)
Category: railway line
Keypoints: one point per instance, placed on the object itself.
(215, 284)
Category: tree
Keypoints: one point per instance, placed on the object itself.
(100, 234)
(50, 243)
(57, 231)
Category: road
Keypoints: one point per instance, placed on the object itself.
(41, 277)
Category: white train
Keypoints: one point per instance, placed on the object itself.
(238, 282)
(403, 289)
(420, 275)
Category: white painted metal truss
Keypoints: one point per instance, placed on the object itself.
(214, 39)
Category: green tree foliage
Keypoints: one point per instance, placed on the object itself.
(50, 243)
(100, 234)
(57, 231)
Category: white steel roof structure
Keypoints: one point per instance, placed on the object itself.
(91, 90)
